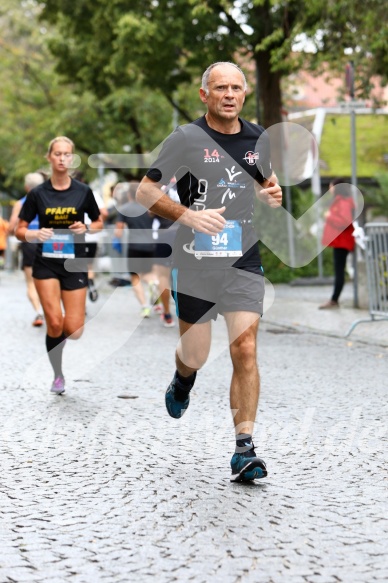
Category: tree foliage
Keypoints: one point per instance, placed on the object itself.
(109, 73)
(161, 44)
(349, 30)
(37, 104)
(166, 43)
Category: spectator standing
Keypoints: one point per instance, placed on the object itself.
(338, 234)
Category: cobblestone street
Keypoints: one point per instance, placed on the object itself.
(98, 488)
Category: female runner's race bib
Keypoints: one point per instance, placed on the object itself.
(59, 247)
(224, 244)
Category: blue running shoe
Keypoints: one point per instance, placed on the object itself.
(177, 398)
(246, 467)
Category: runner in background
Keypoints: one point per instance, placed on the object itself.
(114, 247)
(140, 250)
(3, 240)
(164, 233)
(92, 240)
(28, 249)
(61, 282)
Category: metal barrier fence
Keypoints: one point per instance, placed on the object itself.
(376, 259)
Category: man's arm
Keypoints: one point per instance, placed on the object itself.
(150, 195)
(269, 192)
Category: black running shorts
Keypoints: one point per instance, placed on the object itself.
(28, 254)
(201, 295)
(52, 269)
(163, 255)
(164, 246)
(140, 261)
(90, 250)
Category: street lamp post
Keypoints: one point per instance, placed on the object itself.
(350, 87)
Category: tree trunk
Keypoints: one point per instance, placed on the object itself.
(269, 89)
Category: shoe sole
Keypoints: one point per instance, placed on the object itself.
(248, 473)
(174, 416)
(182, 412)
(57, 392)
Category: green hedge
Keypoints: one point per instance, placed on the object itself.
(274, 268)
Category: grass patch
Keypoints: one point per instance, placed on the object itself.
(371, 137)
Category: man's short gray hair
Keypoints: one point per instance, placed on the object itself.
(33, 179)
(206, 75)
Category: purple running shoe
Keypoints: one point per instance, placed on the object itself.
(58, 386)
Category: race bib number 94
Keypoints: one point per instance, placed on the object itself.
(227, 243)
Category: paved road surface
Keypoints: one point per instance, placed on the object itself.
(95, 488)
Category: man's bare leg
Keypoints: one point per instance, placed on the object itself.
(244, 393)
(245, 385)
(193, 347)
(192, 352)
